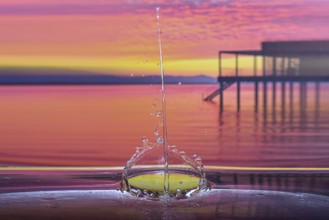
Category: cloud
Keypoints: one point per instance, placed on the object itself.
(191, 28)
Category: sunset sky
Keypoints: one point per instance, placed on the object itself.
(119, 36)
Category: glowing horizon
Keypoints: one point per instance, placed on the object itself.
(119, 37)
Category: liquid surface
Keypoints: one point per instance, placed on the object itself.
(154, 182)
(214, 204)
(101, 125)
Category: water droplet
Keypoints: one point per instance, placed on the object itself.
(158, 12)
(160, 140)
(171, 101)
(131, 75)
(144, 139)
(198, 160)
(178, 193)
(139, 193)
(172, 147)
(156, 132)
(152, 114)
(179, 83)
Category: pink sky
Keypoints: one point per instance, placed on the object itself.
(120, 36)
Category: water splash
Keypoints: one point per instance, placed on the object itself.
(179, 180)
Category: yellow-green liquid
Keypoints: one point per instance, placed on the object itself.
(154, 182)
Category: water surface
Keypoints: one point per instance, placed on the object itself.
(102, 125)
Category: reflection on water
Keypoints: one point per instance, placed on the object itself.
(93, 193)
(215, 204)
(101, 125)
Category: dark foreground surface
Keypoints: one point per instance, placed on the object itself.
(113, 204)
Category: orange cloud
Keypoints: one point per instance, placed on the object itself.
(124, 32)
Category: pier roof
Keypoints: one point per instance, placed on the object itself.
(287, 49)
(276, 53)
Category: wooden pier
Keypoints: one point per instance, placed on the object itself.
(290, 62)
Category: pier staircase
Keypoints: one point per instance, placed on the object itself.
(226, 84)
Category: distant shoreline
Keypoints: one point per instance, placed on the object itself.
(91, 84)
(14, 79)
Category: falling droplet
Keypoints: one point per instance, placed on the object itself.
(158, 114)
(158, 10)
(160, 140)
(156, 132)
(179, 83)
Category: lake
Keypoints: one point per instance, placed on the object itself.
(101, 125)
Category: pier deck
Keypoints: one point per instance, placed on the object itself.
(282, 62)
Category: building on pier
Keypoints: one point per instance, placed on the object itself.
(277, 62)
